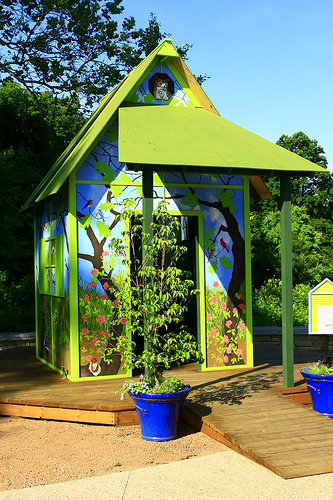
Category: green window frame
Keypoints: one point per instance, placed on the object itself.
(51, 266)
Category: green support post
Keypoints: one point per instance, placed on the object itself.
(147, 213)
(287, 283)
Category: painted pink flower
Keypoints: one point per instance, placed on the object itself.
(120, 254)
(213, 299)
(226, 339)
(228, 323)
(100, 319)
(92, 284)
(86, 297)
(229, 349)
(106, 286)
(239, 352)
(84, 331)
(89, 357)
(209, 315)
(225, 360)
(241, 326)
(95, 341)
(102, 332)
(116, 302)
(94, 271)
(84, 317)
(234, 310)
(216, 284)
(105, 297)
(241, 306)
(105, 253)
(212, 333)
(122, 321)
(223, 306)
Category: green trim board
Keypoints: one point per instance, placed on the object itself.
(248, 276)
(51, 266)
(321, 308)
(199, 139)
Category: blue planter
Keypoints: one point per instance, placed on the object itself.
(159, 414)
(321, 390)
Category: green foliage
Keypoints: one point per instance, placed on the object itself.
(17, 311)
(267, 304)
(153, 296)
(165, 385)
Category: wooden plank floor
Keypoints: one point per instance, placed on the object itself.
(243, 409)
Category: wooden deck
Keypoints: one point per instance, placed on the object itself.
(246, 409)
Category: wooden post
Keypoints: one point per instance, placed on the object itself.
(147, 213)
(287, 283)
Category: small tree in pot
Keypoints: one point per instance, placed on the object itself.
(151, 302)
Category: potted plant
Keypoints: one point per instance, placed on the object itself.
(319, 379)
(151, 299)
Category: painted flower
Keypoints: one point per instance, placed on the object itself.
(241, 306)
(100, 319)
(122, 321)
(212, 333)
(105, 297)
(89, 357)
(94, 271)
(95, 341)
(105, 253)
(84, 331)
(106, 286)
(226, 339)
(216, 284)
(116, 302)
(120, 254)
(239, 352)
(86, 297)
(102, 332)
(229, 349)
(92, 284)
(213, 299)
(209, 315)
(84, 317)
(228, 323)
(241, 326)
(225, 360)
(223, 306)
(234, 310)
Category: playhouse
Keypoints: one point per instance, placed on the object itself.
(156, 136)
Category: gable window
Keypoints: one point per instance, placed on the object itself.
(51, 266)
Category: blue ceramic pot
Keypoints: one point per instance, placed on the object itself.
(321, 390)
(159, 413)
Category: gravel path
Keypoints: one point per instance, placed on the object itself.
(37, 452)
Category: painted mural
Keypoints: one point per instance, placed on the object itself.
(52, 282)
(103, 186)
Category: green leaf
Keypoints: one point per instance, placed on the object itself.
(103, 229)
(116, 191)
(105, 170)
(191, 199)
(112, 135)
(107, 206)
(225, 262)
(208, 239)
(212, 268)
(85, 221)
(226, 201)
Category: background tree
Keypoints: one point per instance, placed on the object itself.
(312, 228)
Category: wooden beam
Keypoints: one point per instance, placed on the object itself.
(287, 283)
(147, 213)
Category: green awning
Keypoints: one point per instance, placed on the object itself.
(176, 138)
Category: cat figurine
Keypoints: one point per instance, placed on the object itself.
(161, 89)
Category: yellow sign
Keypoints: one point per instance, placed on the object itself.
(321, 308)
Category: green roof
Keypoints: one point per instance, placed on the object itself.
(170, 137)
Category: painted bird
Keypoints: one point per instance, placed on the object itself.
(224, 245)
(100, 214)
(210, 255)
(88, 204)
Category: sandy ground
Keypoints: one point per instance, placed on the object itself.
(36, 452)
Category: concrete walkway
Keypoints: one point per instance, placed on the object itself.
(220, 476)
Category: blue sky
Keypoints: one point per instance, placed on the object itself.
(270, 61)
